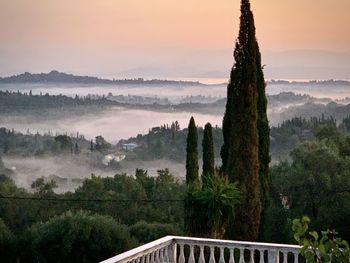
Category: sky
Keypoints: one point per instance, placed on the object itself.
(172, 38)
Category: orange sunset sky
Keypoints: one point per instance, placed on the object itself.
(169, 37)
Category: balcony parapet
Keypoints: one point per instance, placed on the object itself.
(175, 249)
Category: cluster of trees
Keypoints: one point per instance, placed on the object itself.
(103, 217)
(168, 141)
(211, 198)
(316, 182)
(290, 133)
(19, 144)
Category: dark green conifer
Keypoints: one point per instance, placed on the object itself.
(264, 137)
(240, 152)
(192, 167)
(208, 153)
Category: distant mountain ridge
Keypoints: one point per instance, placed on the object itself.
(55, 76)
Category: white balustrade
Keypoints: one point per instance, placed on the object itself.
(174, 249)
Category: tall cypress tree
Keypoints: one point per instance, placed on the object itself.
(240, 152)
(192, 167)
(208, 153)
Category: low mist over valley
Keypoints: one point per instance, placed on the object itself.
(129, 112)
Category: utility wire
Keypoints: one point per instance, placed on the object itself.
(90, 200)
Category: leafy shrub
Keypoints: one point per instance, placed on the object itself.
(324, 248)
(76, 237)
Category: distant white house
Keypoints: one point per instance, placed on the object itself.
(111, 157)
(129, 146)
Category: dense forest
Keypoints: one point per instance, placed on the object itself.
(134, 209)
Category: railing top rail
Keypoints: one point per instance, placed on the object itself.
(229, 243)
(165, 241)
(140, 250)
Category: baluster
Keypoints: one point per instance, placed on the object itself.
(182, 254)
(232, 255)
(252, 256)
(148, 258)
(138, 260)
(191, 258)
(173, 255)
(261, 256)
(296, 257)
(166, 251)
(222, 258)
(143, 259)
(201, 255)
(212, 255)
(285, 257)
(157, 256)
(273, 256)
(161, 255)
(241, 255)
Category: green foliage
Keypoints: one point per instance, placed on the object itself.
(208, 153)
(326, 247)
(208, 209)
(316, 183)
(101, 144)
(216, 204)
(192, 176)
(6, 243)
(146, 232)
(276, 226)
(65, 142)
(290, 133)
(43, 188)
(76, 237)
(20, 215)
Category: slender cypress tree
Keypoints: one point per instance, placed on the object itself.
(240, 152)
(192, 167)
(208, 153)
(192, 216)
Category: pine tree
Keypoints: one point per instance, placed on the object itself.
(192, 167)
(208, 153)
(240, 152)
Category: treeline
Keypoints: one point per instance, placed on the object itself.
(60, 77)
(18, 144)
(169, 142)
(330, 82)
(17, 101)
